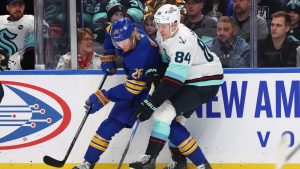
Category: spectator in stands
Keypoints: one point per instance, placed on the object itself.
(87, 58)
(233, 50)
(151, 6)
(149, 26)
(242, 20)
(134, 10)
(99, 21)
(203, 25)
(18, 29)
(105, 10)
(293, 9)
(265, 8)
(85, 12)
(278, 50)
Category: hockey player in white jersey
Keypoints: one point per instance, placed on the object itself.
(192, 77)
(17, 33)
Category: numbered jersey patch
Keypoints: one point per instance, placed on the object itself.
(188, 57)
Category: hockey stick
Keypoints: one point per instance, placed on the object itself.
(57, 163)
(134, 129)
(284, 155)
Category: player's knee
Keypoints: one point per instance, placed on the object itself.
(109, 128)
(178, 133)
(165, 113)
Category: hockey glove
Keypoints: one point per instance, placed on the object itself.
(146, 109)
(152, 76)
(96, 101)
(108, 64)
(4, 57)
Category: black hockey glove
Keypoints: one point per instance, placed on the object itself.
(146, 109)
(152, 76)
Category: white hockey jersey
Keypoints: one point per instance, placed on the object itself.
(16, 36)
(190, 61)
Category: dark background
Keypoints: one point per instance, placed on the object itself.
(28, 9)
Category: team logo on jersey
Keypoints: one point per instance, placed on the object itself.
(6, 41)
(30, 115)
(20, 27)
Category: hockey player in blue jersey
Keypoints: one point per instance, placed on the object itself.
(192, 77)
(139, 53)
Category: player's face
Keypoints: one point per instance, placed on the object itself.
(125, 45)
(164, 30)
(117, 15)
(278, 27)
(225, 31)
(86, 45)
(16, 10)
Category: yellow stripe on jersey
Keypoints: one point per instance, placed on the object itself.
(134, 86)
(102, 98)
(188, 146)
(108, 28)
(107, 58)
(99, 143)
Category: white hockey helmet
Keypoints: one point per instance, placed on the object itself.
(167, 14)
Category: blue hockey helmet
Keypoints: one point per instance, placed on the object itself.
(121, 30)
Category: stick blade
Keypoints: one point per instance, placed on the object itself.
(53, 162)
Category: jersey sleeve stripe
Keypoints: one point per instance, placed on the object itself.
(179, 72)
(174, 81)
(206, 78)
(134, 86)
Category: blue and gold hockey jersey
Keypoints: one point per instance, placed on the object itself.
(144, 56)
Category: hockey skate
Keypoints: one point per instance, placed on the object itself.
(176, 165)
(146, 162)
(84, 165)
(204, 165)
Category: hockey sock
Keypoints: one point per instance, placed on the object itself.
(97, 146)
(190, 148)
(155, 146)
(159, 135)
(101, 139)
